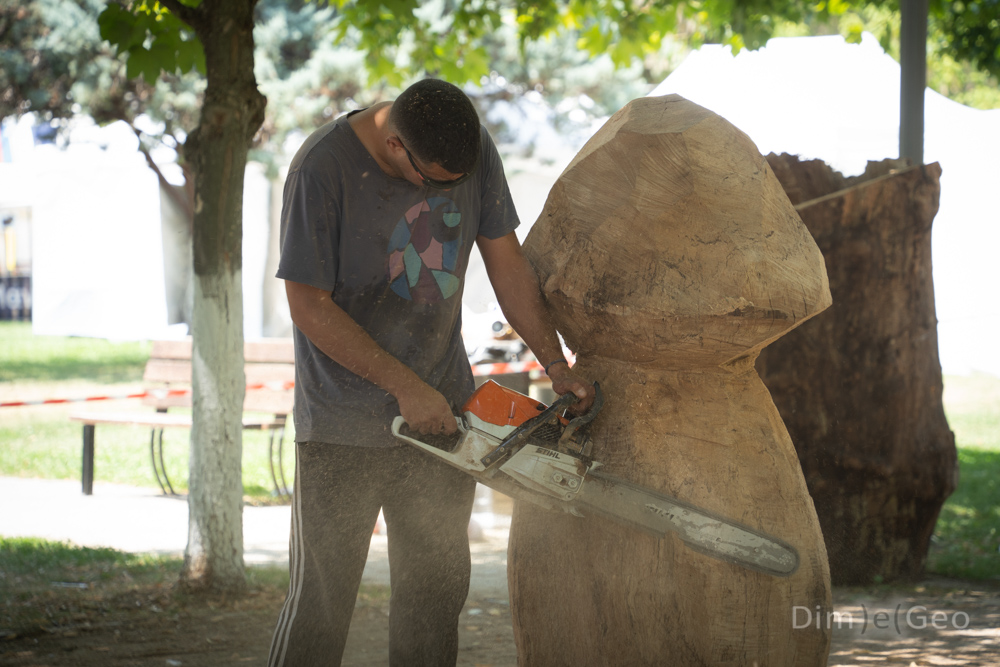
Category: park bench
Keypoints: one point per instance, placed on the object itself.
(269, 365)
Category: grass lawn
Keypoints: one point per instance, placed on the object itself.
(53, 358)
(967, 537)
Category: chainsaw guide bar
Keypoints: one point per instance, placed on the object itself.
(529, 451)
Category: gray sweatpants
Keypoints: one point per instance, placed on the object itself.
(426, 506)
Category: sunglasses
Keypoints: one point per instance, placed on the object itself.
(433, 182)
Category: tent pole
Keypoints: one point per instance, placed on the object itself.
(913, 78)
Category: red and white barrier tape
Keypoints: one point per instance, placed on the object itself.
(154, 393)
(478, 369)
(54, 401)
(508, 367)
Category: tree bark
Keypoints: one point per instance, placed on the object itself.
(668, 255)
(860, 386)
(232, 112)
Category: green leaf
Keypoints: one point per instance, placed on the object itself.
(838, 7)
(142, 63)
(120, 27)
(190, 56)
(383, 69)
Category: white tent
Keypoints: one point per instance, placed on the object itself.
(98, 235)
(820, 97)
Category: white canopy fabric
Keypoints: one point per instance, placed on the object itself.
(820, 97)
(98, 235)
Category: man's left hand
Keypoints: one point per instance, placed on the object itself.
(565, 381)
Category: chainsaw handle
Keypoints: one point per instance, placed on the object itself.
(446, 443)
(562, 403)
(589, 416)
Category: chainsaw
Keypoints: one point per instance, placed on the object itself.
(529, 451)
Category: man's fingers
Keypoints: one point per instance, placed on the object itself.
(436, 426)
(427, 411)
(585, 393)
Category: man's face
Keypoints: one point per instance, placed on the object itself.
(427, 174)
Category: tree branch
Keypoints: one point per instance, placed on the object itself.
(185, 205)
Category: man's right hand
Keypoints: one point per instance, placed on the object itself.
(339, 337)
(426, 410)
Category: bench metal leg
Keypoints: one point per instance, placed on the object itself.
(161, 471)
(281, 489)
(87, 470)
(281, 463)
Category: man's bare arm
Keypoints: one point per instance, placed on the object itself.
(335, 333)
(516, 286)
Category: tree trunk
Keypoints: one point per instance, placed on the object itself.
(860, 386)
(232, 112)
(669, 255)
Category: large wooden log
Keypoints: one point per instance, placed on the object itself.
(669, 255)
(860, 386)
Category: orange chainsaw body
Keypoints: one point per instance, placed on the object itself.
(502, 406)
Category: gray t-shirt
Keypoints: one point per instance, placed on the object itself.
(393, 255)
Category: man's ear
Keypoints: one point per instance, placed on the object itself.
(393, 142)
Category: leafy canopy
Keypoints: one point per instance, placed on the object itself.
(46, 46)
(401, 38)
(154, 39)
(448, 38)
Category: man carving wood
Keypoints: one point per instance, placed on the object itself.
(381, 211)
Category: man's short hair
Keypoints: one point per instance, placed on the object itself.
(438, 124)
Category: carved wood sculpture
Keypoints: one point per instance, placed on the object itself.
(669, 255)
(860, 387)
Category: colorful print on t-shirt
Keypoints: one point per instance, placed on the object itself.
(423, 251)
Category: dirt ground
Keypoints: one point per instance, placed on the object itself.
(157, 626)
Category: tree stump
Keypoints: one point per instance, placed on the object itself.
(860, 387)
(669, 255)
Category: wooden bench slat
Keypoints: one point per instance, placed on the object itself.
(153, 419)
(164, 420)
(176, 371)
(171, 349)
(269, 350)
(169, 371)
(270, 372)
(265, 350)
(256, 400)
(266, 400)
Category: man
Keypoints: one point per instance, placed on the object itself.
(381, 210)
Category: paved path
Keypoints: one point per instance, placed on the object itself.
(140, 519)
